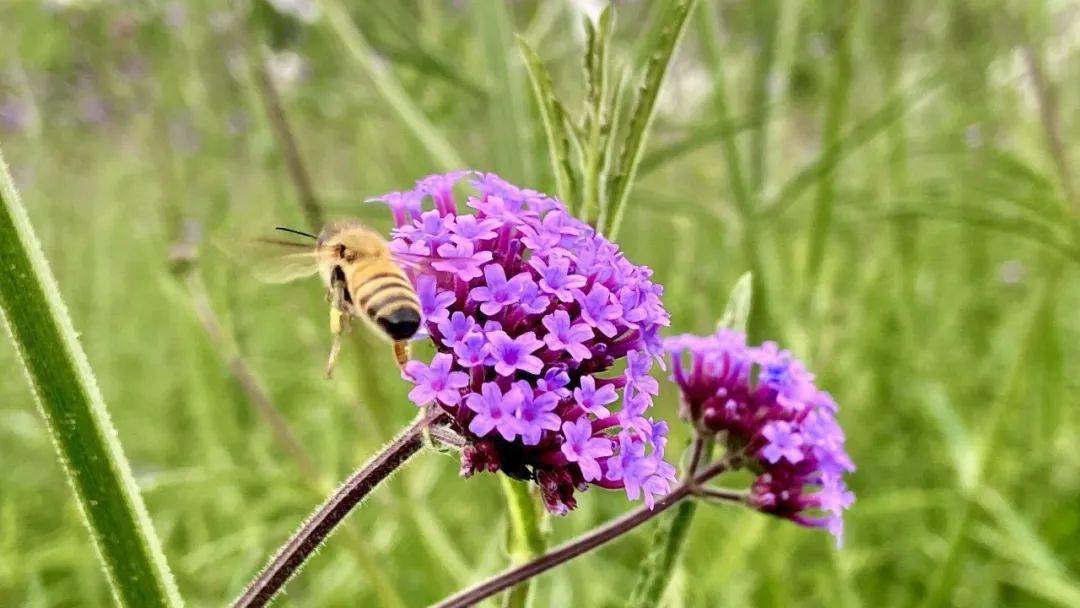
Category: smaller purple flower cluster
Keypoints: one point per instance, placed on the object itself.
(529, 310)
(762, 403)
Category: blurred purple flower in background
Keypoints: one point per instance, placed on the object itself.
(175, 15)
(528, 304)
(761, 402)
(14, 114)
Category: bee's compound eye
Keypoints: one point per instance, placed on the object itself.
(400, 324)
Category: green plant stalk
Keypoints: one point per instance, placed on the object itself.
(1010, 399)
(293, 555)
(74, 410)
(767, 17)
(835, 110)
(524, 539)
(506, 105)
(397, 99)
(759, 323)
(633, 148)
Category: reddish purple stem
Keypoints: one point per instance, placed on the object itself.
(288, 560)
(582, 544)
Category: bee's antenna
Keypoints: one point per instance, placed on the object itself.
(301, 233)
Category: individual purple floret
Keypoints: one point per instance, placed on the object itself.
(566, 336)
(433, 304)
(550, 324)
(536, 412)
(436, 382)
(593, 400)
(513, 354)
(498, 291)
(495, 411)
(763, 403)
(581, 447)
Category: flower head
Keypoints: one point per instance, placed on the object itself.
(766, 404)
(535, 309)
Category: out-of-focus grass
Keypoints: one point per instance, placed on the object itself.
(943, 315)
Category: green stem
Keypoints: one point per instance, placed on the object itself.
(835, 111)
(506, 106)
(390, 89)
(766, 17)
(314, 531)
(524, 540)
(758, 326)
(73, 407)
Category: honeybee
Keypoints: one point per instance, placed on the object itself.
(362, 279)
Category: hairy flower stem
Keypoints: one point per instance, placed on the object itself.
(292, 556)
(584, 543)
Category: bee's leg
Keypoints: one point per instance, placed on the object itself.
(401, 353)
(339, 323)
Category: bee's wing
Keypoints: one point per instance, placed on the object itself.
(285, 268)
(413, 261)
(271, 260)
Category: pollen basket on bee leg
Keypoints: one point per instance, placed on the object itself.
(401, 353)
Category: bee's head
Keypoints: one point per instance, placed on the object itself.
(342, 244)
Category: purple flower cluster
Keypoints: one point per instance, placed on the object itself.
(531, 313)
(762, 402)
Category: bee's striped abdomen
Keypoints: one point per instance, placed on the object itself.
(383, 293)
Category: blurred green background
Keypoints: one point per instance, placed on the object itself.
(906, 189)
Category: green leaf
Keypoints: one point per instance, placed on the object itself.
(554, 119)
(594, 59)
(74, 410)
(595, 127)
(739, 304)
(642, 115)
(667, 543)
